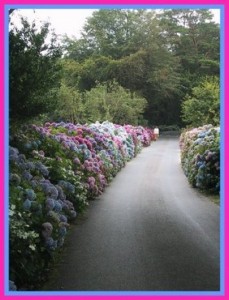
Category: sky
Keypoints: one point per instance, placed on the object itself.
(67, 21)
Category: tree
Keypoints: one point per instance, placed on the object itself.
(192, 36)
(128, 48)
(115, 32)
(113, 103)
(160, 57)
(69, 106)
(203, 105)
(76, 49)
(34, 71)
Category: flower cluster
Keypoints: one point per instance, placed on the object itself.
(34, 201)
(55, 170)
(200, 157)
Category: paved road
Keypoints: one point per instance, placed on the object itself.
(149, 231)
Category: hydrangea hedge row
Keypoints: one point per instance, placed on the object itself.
(54, 171)
(200, 157)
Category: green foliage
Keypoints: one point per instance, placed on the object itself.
(193, 37)
(203, 105)
(26, 265)
(34, 72)
(113, 103)
(160, 57)
(117, 33)
(69, 104)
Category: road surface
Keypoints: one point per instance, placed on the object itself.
(149, 231)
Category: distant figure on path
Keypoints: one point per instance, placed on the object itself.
(156, 133)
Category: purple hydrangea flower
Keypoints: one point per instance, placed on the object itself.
(45, 186)
(76, 161)
(21, 158)
(91, 181)
(51, 244)
(50, 203)
(13, 151)
(30, 165)
(68, 204)
(63, 218)
(34, 183)
(26, 175)
(52, 192)
(61, 194)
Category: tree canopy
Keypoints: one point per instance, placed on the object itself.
(34, 72)
(202, 106)
(160, 56)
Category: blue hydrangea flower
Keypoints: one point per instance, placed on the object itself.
(27, 204)
(67, 185)
(73, 213)
(28, 146)
(57, 207)
(70, 188)
(34, 144)
(30, 194)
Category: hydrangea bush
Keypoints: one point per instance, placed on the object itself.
(200, 157)
(55, 170)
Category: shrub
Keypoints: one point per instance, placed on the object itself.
(200, 157)
(55, 170)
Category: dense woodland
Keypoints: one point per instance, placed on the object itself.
(131, 66)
